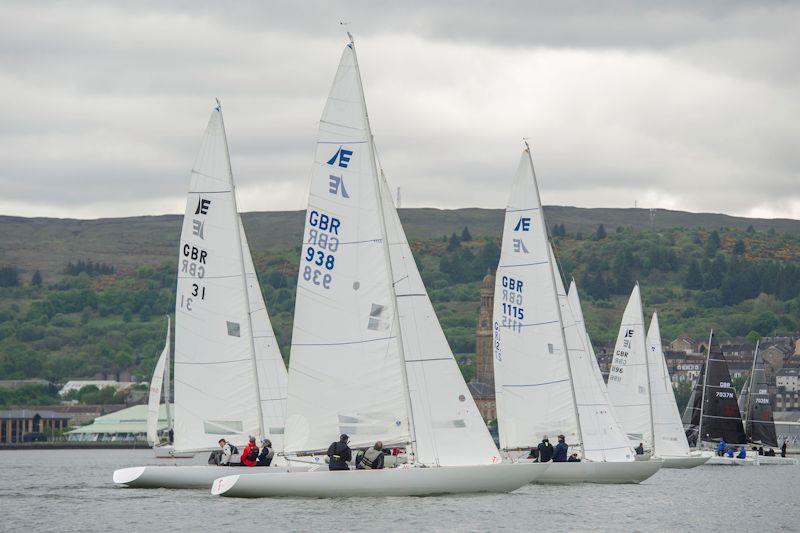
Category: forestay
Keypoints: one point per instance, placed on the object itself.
(628, 383)
(532, 383)
(154, 400)
(345, 368)
(670, 439)
(603, 439)
(448, 427)
(216, 390)
(272, 376)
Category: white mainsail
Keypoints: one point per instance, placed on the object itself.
(603, 439)
(532, 377)
(670, 437)
(449, 429)
(346, 368)
(272, 376)
(628, 379)
(160, 373)
(216, 383)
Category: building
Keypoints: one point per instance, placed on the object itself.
(17, 383)
(25, 425)
(482, 387)
(127, 425)
(788, 379)
(684, 344)
(76, 385)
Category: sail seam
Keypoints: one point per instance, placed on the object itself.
(343, 343)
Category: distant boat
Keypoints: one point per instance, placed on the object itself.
(545, 382)
(641, 391)
(161, 379)
(713, 411)
(230, 379)
(369, 358)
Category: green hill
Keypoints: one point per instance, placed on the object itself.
(106, 284)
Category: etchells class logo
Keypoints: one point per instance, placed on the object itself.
(343, 156)
(523, 224)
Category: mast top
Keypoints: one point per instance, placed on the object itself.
(219, 104)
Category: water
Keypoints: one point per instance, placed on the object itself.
(71, 490)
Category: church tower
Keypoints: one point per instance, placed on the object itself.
(483, 342)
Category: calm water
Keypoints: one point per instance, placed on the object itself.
(71, 490)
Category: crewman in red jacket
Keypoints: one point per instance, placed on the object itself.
(250, 453)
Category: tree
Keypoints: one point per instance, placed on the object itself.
(9, 276)
(753, 337)
(738, 248)
(713, 244)
(682, 393)
(694, 277)
(453, 243)
(600, 234)
(465, 235)
(36, 280)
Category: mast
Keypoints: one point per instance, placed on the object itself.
(703, 392)
(558, 304)
(244, 280)
(647, 367)
(387, 255)
(167, 377)
(750, 387)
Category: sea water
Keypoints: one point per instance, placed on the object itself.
(71, 490)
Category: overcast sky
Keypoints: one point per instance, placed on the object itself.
(667, 104)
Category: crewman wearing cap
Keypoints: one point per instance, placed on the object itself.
(339, 454)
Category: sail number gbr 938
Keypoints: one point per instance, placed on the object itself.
(322, 242)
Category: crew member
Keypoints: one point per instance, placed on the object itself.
(783, 449)
(729, 452)
(573, 458)
(545, 450)
(250, 452)
(560, 451)
(339, 453)
(742, 453)
(721, 447)
(372, 459)
(639, 449)
(267, 453)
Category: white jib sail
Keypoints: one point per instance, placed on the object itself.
(628, 382)
(448, 427)
(603, 439)
(345, 370)
(154, 400)
(532, 383)
(670, 437)
(272, 376)
(216, 390)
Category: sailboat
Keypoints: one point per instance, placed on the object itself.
(641, 391)
(759, 425)
(545, 384)
(230, 379)
(713, 411)
(369, 358)
(159, 381)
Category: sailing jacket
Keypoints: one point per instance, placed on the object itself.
(742, 453)
(265, 457)
(248, 450)
(339, 453)
(545, 451)
(229, 455)
(371, 460)
(560, 453)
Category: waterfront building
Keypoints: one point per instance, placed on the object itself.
(25, 425)
(126, 425)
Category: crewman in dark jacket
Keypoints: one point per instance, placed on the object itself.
(783, 449)
(560, 451)
(339, 453)
(742, 453)
(639, 449)
(545, 450)
(267, 453)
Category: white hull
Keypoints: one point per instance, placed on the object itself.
(167, 451)
(732, 461)
(685, 461)
(504, 477)
(769, 460)
(181, 477)
(596, 472)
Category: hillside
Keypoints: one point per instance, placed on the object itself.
(48, 244)
(741, 280)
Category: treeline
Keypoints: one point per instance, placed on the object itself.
(88, 266)
(9, 276)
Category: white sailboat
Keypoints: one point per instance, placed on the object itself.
(670, 441)
(369, 358)
(230, 379)
(159, 381)
(544, 380)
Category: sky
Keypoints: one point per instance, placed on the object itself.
(677, 105)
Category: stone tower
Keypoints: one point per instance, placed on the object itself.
(484, 371)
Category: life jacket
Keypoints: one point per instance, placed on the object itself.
(252, 453)
(369, 457)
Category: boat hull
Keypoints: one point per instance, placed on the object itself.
(732, 461)
(766, 460)
(597, 472)
(180, 477)
(504, 477)
(685, 461)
